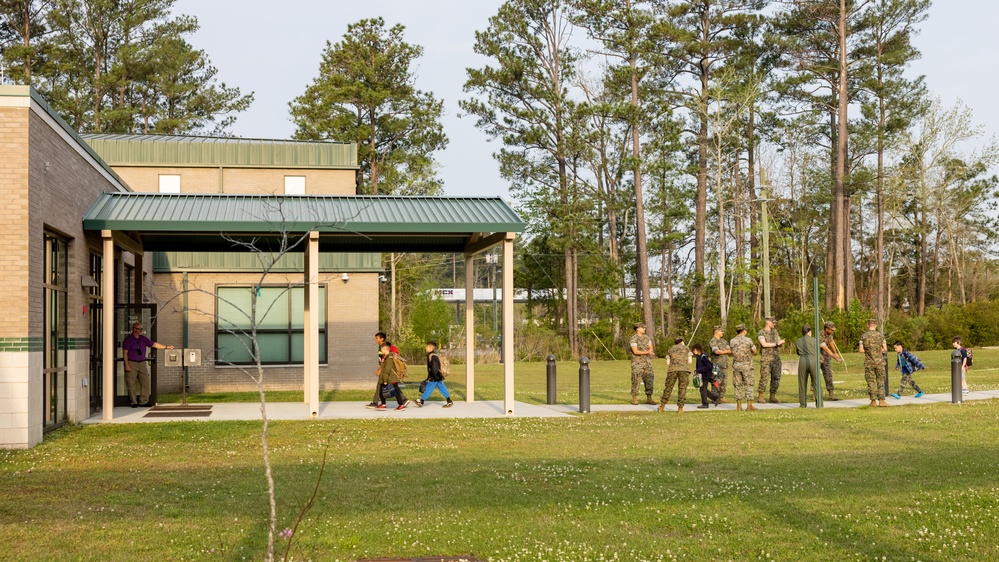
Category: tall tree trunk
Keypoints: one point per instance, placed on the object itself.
(923, 263)
(879, 251)
(701, 204)
(642, 259)
(753, 203)
(722, 301)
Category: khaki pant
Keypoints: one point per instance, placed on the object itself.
(138, 375)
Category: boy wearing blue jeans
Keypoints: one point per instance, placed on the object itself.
(908, 364)
(434, 377)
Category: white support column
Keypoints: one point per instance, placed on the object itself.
(311, 318)
(508, 358)
(469, 329)
(110, 348)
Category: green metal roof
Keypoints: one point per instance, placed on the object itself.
(211, 222)
(193, 151)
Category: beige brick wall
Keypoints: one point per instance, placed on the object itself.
(239, 180)
(14, 206)
(352, 321)
(46, 185)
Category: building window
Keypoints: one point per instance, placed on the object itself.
(294, 185)
(56, 331)
(280, 325)
(169, 183)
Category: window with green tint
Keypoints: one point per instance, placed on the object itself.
(279, 317)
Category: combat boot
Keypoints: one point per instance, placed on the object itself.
(873, 403)
(773, 398)
(662, 406)
(722, 400)
(831, 397)
(738, 405)
(649, 400)
(882, 404)
(759, 397)
(750, 407)
(679, 409)
(634, 400)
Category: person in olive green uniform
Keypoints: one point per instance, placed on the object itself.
(874, 347)
(678, 371)
(720, 352)
(642, 353)
(743, 350)
(805, 348)
(828, 352)
(770, 366)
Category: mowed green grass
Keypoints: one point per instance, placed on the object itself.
(610, 381)
(919, 482)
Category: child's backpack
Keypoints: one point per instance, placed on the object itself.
(401, 367)
(445, 365)
(968, 351)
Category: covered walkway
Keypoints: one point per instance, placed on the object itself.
(249, 411)
(143, 222)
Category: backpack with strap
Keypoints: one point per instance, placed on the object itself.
(401, 367)
(968, 351)
(445, 365)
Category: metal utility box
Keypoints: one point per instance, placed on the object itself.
(192, 357)
(172, 358)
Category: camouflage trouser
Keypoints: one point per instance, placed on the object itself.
(907, 379)
(742, 380)
(682, 379)
(874, 374)
(827, 373)
(641, 374)
(722, 381)
(769, 370)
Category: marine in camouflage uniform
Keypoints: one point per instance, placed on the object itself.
(720, 344)
(826, 357)
(873, 346)
(678, 373)
(743, 349)
(770, 365)
(641, 364)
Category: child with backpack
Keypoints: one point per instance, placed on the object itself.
(705, 373)
(437, 368)
(390, 376)
(907, 363)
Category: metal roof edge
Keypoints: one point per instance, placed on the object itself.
(40, 103)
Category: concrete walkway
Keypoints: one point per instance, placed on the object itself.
(461, 410)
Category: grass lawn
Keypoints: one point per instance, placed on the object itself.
(610, 381)
(910, 483)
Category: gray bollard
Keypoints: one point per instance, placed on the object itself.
(551, 379)
(584, 385)
(956, 363)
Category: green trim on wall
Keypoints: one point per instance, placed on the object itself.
(33, 344)
(20, 345)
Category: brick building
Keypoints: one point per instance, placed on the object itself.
(157, 229)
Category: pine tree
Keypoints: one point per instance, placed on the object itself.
(366, 92)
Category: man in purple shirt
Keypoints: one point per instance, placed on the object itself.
(136, 371)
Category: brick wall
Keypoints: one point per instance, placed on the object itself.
(46, 185)
(352, 320)
(14, 236)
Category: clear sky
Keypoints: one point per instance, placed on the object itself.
(274, 49)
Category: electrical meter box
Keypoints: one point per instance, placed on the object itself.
(172, 358)
(192, 357)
